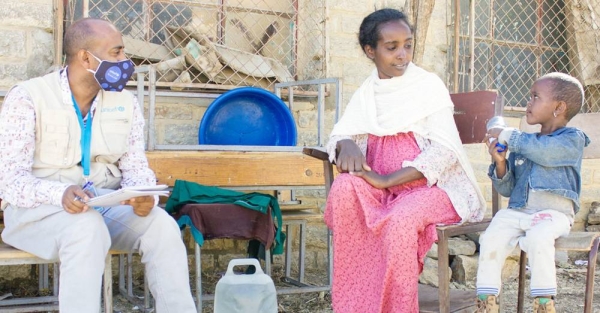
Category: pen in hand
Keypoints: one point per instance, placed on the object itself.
(88, 186)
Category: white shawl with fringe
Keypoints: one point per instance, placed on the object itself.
(417, 102)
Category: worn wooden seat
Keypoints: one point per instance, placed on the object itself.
(575, 241)
(13, 256)
(472, 110)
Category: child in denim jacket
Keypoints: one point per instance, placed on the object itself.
(542, 177)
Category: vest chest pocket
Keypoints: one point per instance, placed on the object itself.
(55, 146)
(116, 135)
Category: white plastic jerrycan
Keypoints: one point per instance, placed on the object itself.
(241, 293)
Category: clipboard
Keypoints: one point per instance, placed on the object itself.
(114, 198)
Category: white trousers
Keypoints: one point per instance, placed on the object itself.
(535, 234)
(81, 242)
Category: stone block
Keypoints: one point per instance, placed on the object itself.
(593, 228)
(593, 219)
(41, 56)
(464, 269)
(355, 71)
(429, 275)
(218, 245)
(307, 119)
(351, 23)
(303, 106)
(481, 169)
(477, 152)
(175, 112)
(316, 236)
(578, 226)
(307, 137)
(11, 73)
(13, 43)
(433, 252)
(595, 207)
(181, 134)
(37, 14)
(582, 214)
(510, 270)
(458, 246)
(562, 259)
(349, 7)
(346, 45)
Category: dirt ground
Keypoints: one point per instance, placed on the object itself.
(570, 299)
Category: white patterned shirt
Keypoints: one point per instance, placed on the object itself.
(18, 186)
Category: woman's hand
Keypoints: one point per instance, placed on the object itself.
(141, 205)
(374, 179)
(73, 199)
(349, 157)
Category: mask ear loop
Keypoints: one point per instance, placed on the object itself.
(97, 59)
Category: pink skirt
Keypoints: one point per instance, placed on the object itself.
(380, 236)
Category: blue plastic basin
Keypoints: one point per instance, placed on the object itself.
(247, 116)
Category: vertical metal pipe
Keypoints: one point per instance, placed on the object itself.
(221, 23)
(456, 42)
(86, 8)
(198, 277)
(471, 44)
(321, 114)
(151, 108)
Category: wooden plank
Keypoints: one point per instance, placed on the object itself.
(8, 252)
(576, 241)
(302, 215)
(234, 168)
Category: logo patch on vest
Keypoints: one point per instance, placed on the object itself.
(113, 109)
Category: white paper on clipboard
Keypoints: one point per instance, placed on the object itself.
(114, 198)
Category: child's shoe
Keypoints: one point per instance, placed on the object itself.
(487, 304)
(543, 305)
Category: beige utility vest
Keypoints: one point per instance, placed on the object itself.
(57, 137)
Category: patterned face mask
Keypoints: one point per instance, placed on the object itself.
(112, 76)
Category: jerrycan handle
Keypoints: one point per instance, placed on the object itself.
(248, 261)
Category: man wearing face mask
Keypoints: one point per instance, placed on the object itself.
(77, 127)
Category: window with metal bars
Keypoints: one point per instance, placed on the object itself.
(217, 44)
(506, 45)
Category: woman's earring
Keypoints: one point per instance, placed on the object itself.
(554, 113)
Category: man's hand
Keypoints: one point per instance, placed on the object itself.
(73, 199)
(141, 205)
(350, 158)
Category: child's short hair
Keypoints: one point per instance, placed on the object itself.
(568, 89)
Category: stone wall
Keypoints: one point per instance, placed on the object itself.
(26, 40)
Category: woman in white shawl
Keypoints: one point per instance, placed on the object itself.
(403, 171)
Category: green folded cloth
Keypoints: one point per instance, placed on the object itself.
(185, 192)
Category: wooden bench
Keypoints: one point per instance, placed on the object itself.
(264, 171)
(12, 256)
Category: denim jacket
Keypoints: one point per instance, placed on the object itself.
(550, 163)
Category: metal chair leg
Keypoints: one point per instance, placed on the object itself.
(198, 277)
